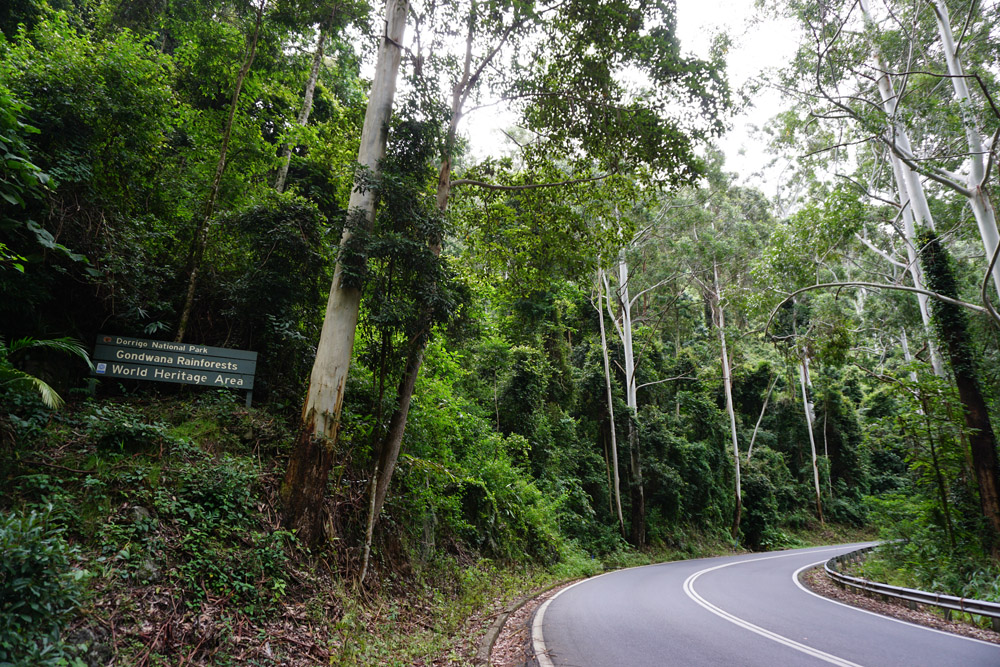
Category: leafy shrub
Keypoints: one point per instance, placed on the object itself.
(768, 495)
(195, 524)
(39, 590)
(124, 428)
(918, 552)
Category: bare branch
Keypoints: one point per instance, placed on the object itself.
(528, 186)
(902, 288)
(881, 253)
(676, 377)
(650, 289)
(614, 320)
(865, 140)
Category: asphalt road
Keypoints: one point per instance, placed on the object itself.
(736, 610)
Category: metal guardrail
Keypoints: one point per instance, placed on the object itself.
(912, 597)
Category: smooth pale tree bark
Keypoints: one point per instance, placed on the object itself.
(638, 494)
(200, 242)
(307, 101)
(638, 514)
(727, 382)
(616, 488)
(804, 381)
(978, 196)
(974, 189)
(767, 397)
(637, 534)
(302, 491)
(914, 210)
(907, 356)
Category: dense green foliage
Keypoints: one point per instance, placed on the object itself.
(39, 591)
(112, 118)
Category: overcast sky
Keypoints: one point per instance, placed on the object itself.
(756, 46)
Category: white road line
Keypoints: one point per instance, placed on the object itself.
(538, 639)
(791, 643)
(795, 578)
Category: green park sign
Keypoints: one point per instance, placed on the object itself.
(182, 363)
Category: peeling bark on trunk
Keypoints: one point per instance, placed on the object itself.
(321, 412)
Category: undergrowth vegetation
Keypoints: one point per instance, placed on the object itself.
(146, 528)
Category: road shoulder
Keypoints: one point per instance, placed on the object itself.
(817, 581)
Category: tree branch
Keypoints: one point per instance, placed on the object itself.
(903, 288)
(884, 255)
(676, 377)
(529, 186)
(650, 289)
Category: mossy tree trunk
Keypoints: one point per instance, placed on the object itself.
(951, 325)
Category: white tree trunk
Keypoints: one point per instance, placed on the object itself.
(333, 355)
(304, 485)
(907, 357)
(625, 332)
(982, 207)
(307, 103)
(727, 381)
(913, 263)
(626, 305)
(914, 209)
(616, 489)
(767, 397)
(804, 381)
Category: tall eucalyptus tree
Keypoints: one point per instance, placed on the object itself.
(304, 486)
(561, 66)
(883, 74)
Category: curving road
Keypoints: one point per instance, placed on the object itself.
(736, 610)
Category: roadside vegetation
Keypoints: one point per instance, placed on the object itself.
(598, 349)
(145, 528)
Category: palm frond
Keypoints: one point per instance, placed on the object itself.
(15, 377)
(66, 344)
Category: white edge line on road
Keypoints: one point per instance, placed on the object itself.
(791, 643)
(538, 640)
(795, 578)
